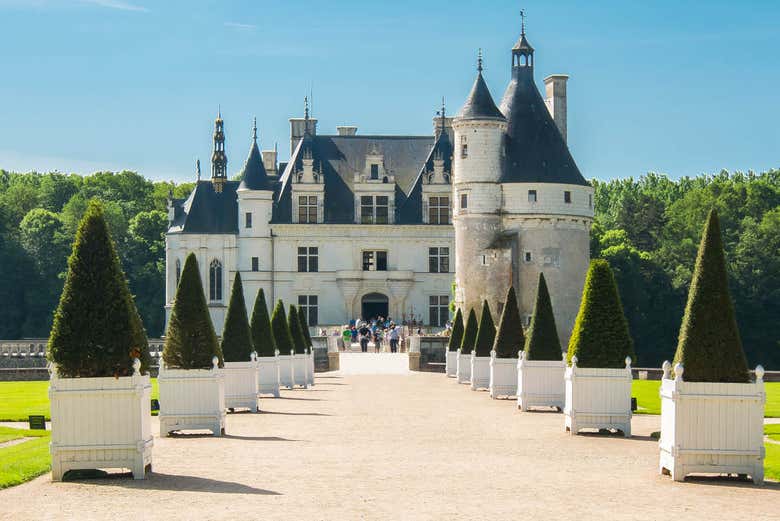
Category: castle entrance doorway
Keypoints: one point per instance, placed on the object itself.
(374, 305)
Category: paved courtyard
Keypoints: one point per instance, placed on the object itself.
(413, 446)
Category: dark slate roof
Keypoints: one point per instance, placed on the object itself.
(339, 158)
(206, 211)
(253, 176)
(411, 210)
(480, 104)
(535, 150)
(523, 45)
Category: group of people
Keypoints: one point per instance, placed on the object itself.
(378, 330)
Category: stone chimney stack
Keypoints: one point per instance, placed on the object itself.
(269, 161)
(346, 130)
(555, 90)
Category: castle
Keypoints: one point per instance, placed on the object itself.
(365, 225)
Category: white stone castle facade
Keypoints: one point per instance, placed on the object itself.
(356, 226)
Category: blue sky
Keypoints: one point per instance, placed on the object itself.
(674, 87)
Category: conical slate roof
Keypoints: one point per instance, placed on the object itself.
(535, 149)
(523, 45)
(253, 175)
(480, 104)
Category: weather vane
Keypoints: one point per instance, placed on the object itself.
(522, 21)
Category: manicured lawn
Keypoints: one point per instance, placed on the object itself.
(18, 400)
(772, 461)
(24, 461)
(773, 431)
(649, 402)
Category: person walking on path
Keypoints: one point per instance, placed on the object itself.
(365, 335)
(393, 336)
(378, 340)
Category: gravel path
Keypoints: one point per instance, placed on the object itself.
(397, 447)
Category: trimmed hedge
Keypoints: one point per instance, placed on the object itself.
(237, 337)
(281, 330)
(299, 343)
(303, 320)
(486, 334)
(510, 338)
(97, 330)
(469, 334)
(456, 335)
(543, 342)
(190, 342)
(709, 345)
(600, 337)
(262, 335)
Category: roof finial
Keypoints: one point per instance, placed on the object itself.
(479, 60)
(254, 128)
(219, 111)
(305, 107)
(522, 22)
(197, 167)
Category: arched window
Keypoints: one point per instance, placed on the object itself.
(215, 280)
(178, 272)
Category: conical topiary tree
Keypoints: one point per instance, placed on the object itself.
(456, 336)
(304, 322)
(486, 334)
(509, 338)
(281, 330)
(542, 342)
(469, 334)
(709, 346)
(237, 337)
(190, 342)
(600, 337)
(97, 331)
(262, 334)
(299, 342)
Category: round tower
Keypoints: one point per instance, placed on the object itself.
(480, 271)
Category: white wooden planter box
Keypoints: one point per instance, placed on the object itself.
(311, 367)
(300, 370)
(286, 371)
(503, 376)
(100, 423)
(464, 368)
(540, 383)
(714, 428)
(480, 372)
(268, 375)
(451, 363)
(598, 398)
(241, 385)
(192, 399)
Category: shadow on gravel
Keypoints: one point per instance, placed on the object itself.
(256, 438)
(302, 399)
(155, 481)
(730, 481)
(295, 413)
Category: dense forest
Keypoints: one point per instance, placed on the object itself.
(648, 229)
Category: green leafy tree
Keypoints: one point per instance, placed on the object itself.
(190, 342)
(282, 335)
(542, 342)
(510, 338)
(295, 330)
(97, 331)
(305, 327)
(600, 337)
(710, 348)
(237, 337)
(262, 334)
(469, 334)
(456, 336)
(486, 334)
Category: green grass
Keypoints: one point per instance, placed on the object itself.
(18, 400)
(649, 401)
(772, 461)
(24, 461)
(773, 431)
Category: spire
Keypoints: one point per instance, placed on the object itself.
(306, 120)
(254, 129)
(522, 22)
(522, 52)
(197, 167)
(480, 104)
(253, 175)
(218, 156)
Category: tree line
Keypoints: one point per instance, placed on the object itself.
(648, 230)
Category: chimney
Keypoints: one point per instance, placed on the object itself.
(269, 161)
(298, 128)
(347, 131)
(555, 90)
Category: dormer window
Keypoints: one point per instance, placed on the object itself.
(374, 171)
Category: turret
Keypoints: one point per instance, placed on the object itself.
(218, 157)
